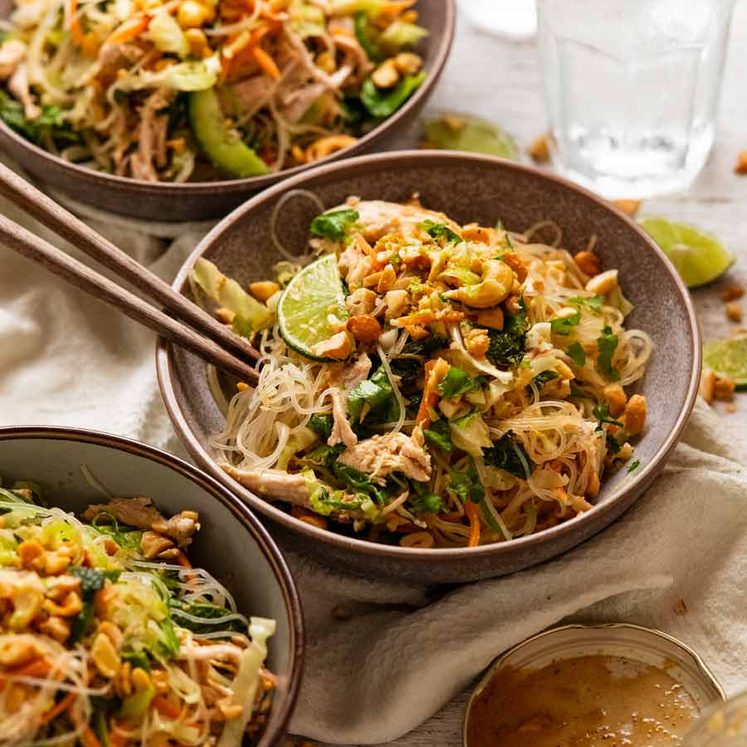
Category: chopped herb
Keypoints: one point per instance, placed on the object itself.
(375, 392)
(602, 414)
(204, 610)
(466, 486)
(427, 502)
(541, 379)
(439, 435)
(606, 346)
(576, 353)
(359, 482)
(457, 381)
(612, 443)
(510, 456)
(47, 129)
(565, 325)
(440, 231)
(596, 302)
(634, 465)
(91, 581)
(334, 225)
(321, 425)
(507, 345)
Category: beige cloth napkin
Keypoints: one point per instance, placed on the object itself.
(69, 360)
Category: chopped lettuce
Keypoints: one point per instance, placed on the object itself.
(251, 315)
(381, 104)
(167, 35)
(470, 433)
(509, 455)
(400, 35)
(377, 394)
(457, 381)
(439, 435)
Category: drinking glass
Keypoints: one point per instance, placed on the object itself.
(723, 725)
(512, 18)
(632, 88)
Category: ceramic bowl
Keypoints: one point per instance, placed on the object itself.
(632, 642)
(469, 188)
(163, 201)
(231, 544)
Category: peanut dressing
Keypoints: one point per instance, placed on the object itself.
(589, 701)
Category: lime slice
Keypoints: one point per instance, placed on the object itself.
(312, 307)
(469, 133)
(728, 358)
(698, 257)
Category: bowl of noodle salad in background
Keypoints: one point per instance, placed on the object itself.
(467, 366)
(119, 623)
(179, 109)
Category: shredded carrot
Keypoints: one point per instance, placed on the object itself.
(165, 707)
(76, 30)
(130, 29)
(59, 708)
(470, 509)
(265, 61)
(435, 371)
(37, 668)
(183, 560)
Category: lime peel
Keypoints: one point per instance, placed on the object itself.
(312, 307)
(698, 257)
(728, 358)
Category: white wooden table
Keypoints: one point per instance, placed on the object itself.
(500, 80)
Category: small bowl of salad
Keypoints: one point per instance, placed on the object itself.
(179, 109)
(119, 621)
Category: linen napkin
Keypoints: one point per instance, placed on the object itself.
(404, 650)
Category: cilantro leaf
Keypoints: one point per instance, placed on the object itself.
(427, 503)
(602, 414)
(634, 465)
(606, 346)
(466, 485)
(510, 456)
(576, 353)
(376, 392)
(334, 225)
(440, 231)
(596, 302)
(565, 325)
(541, 379)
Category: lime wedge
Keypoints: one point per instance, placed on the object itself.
(312, 306)
(698, 257)
(469, 133)
(728, 358)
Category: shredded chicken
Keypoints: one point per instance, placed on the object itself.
(139, 513)
(379, 217)
(344, 377)
(152, 134)
(341, 430)
(12, 53)
(380, 456)
(19, 87)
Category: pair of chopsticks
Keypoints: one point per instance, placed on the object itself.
(186, 324)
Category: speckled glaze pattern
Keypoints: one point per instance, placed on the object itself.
(231, 544)
(468, 188)
(163, 201)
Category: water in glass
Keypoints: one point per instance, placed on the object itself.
(632, 88)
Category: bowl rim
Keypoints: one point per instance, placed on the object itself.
(223, 186)
(240, 511)
(703, 669)
(422, 556)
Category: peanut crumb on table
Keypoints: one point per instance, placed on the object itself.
(732, 293)
(629, 207)
(734, 311)
(680, 608)
(714, 387)
(539, 149)
(741, 165)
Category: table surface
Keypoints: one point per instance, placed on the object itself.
(499, 79)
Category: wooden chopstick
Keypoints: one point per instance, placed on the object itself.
(70, 227)
(55, 260)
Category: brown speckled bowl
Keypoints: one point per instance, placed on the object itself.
(231, 543)
(468, 188)
(164, 201)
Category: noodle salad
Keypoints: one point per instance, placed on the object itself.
(430, 384)
(108, 636)
(177, 90)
